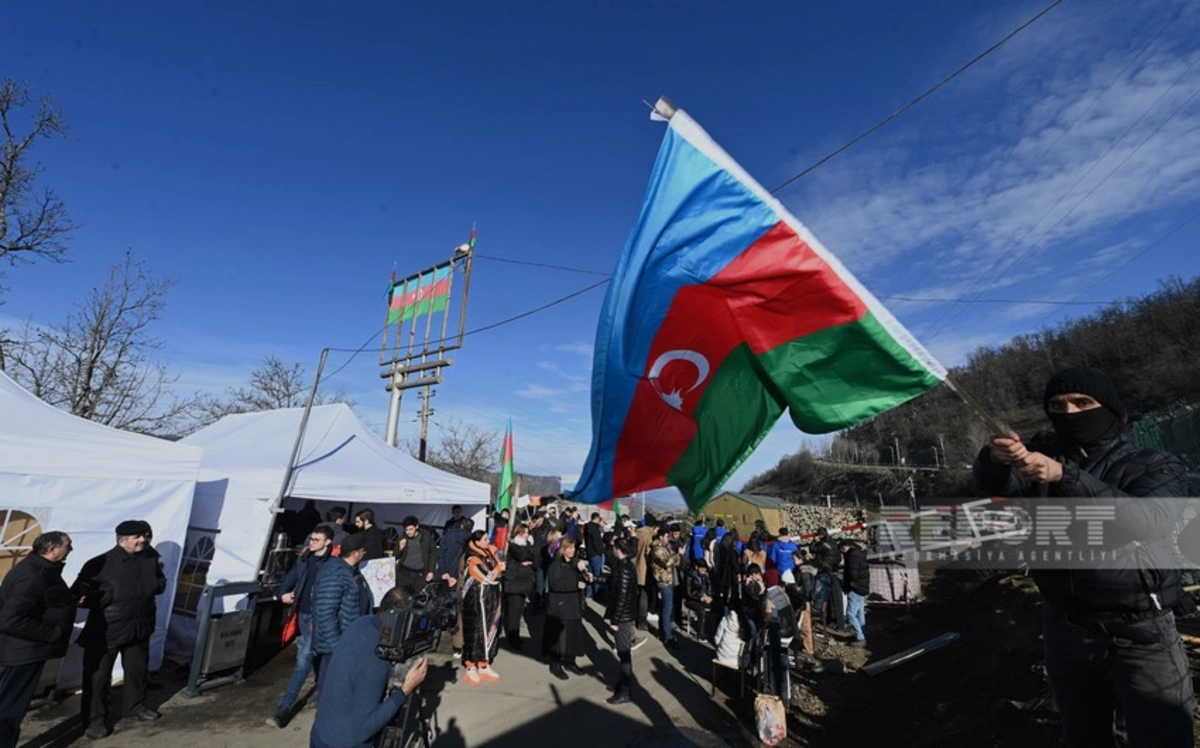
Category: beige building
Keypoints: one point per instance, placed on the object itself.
(742, 510)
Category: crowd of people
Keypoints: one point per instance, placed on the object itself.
(708, 583)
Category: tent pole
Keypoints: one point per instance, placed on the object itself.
(277, 504)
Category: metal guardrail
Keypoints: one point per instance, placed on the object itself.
(197, 683)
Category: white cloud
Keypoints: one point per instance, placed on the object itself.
(582, 349)
(1014, 161)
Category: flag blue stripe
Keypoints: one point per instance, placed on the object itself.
(696, 218)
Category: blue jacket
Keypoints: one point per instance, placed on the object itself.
(340, 596)
(698, 533)
(352, 709)
(781, 555)
(297, 577)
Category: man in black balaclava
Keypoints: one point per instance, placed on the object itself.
(1113, 655)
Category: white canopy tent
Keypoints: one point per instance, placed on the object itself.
(341, 462)
(60, 472)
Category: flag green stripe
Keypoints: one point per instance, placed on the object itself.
(435, 304)
(845, 374)
(830, 379)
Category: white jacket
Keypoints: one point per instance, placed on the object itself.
(729, 640)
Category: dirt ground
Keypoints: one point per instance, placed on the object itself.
(988, 688)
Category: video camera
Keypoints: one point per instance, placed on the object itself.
(416, 626)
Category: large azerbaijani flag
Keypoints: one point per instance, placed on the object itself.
(724, 311)
(422, 294)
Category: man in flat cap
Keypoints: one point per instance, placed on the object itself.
(119, 588)
(1113, 655)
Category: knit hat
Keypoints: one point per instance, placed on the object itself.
(1086, 381)
(131, 527)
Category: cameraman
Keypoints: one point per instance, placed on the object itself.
(353, 708)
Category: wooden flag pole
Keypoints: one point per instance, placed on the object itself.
(997, 426)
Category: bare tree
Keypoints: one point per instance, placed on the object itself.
(273, 385)
(98, 365)
(463, 449)
(33, 222)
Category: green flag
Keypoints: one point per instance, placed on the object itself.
(504, 497)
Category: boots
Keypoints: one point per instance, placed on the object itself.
(556, 669)
(620, 696)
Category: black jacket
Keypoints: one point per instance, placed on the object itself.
(593, 539)
(373, 543)
(518, 576)
(37, 612)
(856, 574)
(119, 590)
(540, 535)
(698, 585)
(428, 551)
(826, 556)
(622, 593)
(1142, 486)
(564, 579)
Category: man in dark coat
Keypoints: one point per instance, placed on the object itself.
(372, 535)
(297, 590)
(828, 587)
(1111, 646)
(856, 581)
(341, 596)
(540, 532)
(37, 612)
(416, 556)
(593, 543)
(119, 588)
(621, 614)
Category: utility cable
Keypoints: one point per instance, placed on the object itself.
(1029, 247)
(375, 335)
(865, 133)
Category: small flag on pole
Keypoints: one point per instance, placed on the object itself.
(504, 497)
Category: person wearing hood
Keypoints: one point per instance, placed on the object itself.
(37, 615)
(1112, 651)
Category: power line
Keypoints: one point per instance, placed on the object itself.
(945, 300)
(541, 308)
(937, 326)
(865, 133)
(540, 265)
(355, 351)
(1029, 247)
(1137, 256)
(995, 301)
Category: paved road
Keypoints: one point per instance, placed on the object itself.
(671, 705)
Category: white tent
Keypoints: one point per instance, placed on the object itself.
(341, 462)
(60, 472)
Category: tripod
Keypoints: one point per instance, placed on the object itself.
(410, 728)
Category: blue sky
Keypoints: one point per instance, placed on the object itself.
(278, 158)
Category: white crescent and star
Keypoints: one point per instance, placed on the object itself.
(674, 398)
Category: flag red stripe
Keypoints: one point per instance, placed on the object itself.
(440, 288)
(776, 291)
